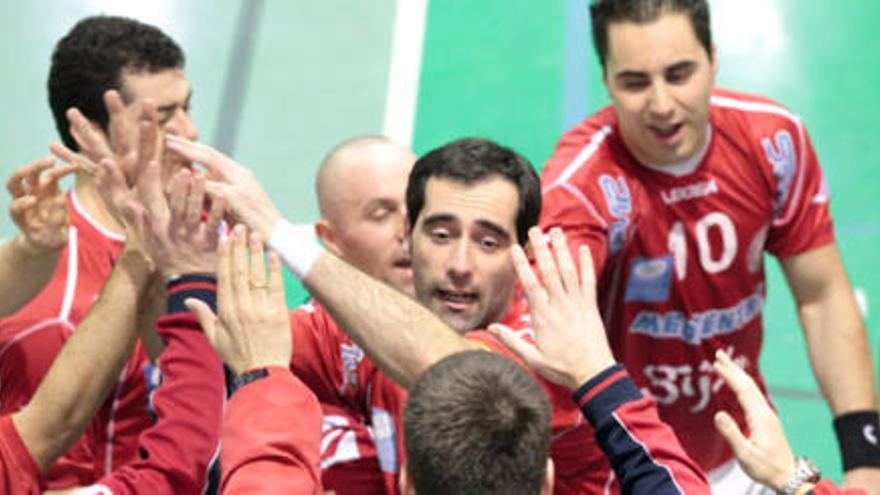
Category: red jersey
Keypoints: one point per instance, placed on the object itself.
(337, 370)
(32, 337)
(679, 252)
(18, 471)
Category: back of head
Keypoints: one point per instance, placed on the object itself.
(93, 57)
(477, 423)
(605, 12)
(472, 160)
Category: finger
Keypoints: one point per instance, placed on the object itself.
(276, 282)
(177, 201)
(69, 156)
(732, 434)
(121, 131)
(534, 291)
(194, 202)
(148, 144)
(588, 274)
(258, 269)
(49, 182)
(15, 184)
(18, 209)
(545, 262)
(149, 189)
(215, 216)
(526, 351)
(747, 392)
(217, 164)
(224, 278)
(89, 139)
(567, 270)
(207, 318)
(240, 271)
(113, 181)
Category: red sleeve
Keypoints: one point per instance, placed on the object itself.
(643, 450)
(802, 219)
(178, 450)
(569, 204)
(272, 437)
(827, 487)
(18, 471)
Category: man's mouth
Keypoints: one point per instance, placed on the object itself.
(457, 300)
(666, 133)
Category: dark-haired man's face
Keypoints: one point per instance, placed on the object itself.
(461, 244)
(170, 91)
(660, 78)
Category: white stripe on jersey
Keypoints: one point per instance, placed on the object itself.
(72, 264)
(584, 155)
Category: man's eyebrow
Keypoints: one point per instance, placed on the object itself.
(683, 65)
(626, 74)
(494, 227)
(172, 106)
(379, 202)
(438, 218)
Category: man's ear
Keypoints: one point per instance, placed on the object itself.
(328, 235)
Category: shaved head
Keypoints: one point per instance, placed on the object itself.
(345, 164)
(361, 187)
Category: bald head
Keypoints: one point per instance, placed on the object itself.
(345, 165)
(361, 188)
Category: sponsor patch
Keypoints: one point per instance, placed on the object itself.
(385, 434)
(649, 279)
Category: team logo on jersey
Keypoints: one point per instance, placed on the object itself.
(649, 279)
(385, 434)
(781, 154)
(619, 202)
(352, 355)
(695, 328)
(690, 191)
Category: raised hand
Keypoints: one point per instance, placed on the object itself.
(764, 454)
(570, 343)
(251, 329)
(131, 142)
(238, 186)
(39, 207)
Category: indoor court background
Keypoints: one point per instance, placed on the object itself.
(278, 82)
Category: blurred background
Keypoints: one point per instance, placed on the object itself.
(278, 82)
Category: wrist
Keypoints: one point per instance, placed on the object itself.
(857, 433)
(136, 263)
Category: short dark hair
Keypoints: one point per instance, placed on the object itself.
(472, 160)
(477, 423)
(605, 12)
(91, 59)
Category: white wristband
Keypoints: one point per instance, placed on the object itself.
(297, 246)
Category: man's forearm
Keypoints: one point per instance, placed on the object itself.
(88, 364)
(401, 336)
(24, 271)
(839, 351)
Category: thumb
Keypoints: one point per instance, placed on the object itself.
(526, 351)
(206, 318)
(732, 434)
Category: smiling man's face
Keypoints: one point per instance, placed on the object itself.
(660, 78)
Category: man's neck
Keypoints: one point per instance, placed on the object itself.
(93, 205)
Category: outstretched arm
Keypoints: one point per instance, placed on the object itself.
(571, 349)
(840, 354)
(402, 337)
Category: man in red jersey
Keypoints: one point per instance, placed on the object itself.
(98, 54)
(360, 187)
(678, 189)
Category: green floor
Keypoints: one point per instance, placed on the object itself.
(317, 73)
